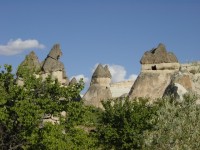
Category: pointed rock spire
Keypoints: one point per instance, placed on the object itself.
(55, 52)
(99, 72)
(31, 62)
(107, 71)
(99, 87)
(73, 81)
(52, 64)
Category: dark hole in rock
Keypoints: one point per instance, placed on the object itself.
(154, 67)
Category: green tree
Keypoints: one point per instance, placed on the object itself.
(22, 109)
(123, 123)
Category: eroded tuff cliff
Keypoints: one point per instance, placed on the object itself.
(158, 66)
(99, 89)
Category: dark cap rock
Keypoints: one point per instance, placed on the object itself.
(101, 72)
(55, 52)
(158, 55)
(51, 63)
(108, 74)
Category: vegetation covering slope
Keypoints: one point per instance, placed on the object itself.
(123, 124)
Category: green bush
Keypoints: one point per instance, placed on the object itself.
(123, 123)
(23, 107)
(177, 126)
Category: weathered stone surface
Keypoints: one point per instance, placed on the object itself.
(150, 84)
(95, 94)
(161, 66)
(120, 88)
(183, 79)
(31, 63)
(158, 67)
(53, 66)
(52, 62)
(176, 90)
(107, 72)
(73, 81)
(101, 76)
(55, 52)
(99, 87)
(158, 55)
(101, 72)
(187, 80)
(193, 71)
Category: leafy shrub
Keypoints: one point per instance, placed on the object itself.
(177, 126)
(123, 123)
(23, 107)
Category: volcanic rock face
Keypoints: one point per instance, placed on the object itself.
(73, 81)
(52, 66)
(31, 62)
(121, 89)
(158, 66)
(99, 87)
(158, 55)
(186, 80)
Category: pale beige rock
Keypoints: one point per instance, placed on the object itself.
(99, 89)
(193, 71)
(96, 94)
(161, 66)
(19, 81)
(52, 119)
(120, 88)
(151, 84)
(158, 67)
(101, 81)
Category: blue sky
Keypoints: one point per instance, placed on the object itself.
(114, 32)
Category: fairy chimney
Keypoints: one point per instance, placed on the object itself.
(52, 66)
(158, 66)
(99, 89)
(31, 64)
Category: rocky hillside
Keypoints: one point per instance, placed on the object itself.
(161, 75)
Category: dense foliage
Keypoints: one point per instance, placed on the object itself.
(22, 109)
(177, 125)
(123, 124)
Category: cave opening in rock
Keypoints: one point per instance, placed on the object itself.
(154, 67)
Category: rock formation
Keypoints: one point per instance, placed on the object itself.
(120, 89)
(158, 66)
(99, 87)
(158, 55)
(187, 80)
(73, 81)
(52, 66)
(31, 64)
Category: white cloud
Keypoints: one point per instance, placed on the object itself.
(118, 73)
(17, 46)
(133, 77)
